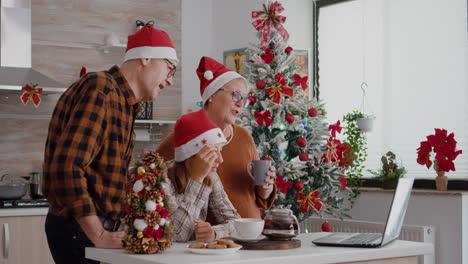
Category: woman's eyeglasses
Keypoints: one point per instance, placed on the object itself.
(237, 97)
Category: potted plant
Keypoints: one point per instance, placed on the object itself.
(366, 122)
(357, 142)
(445, 150)
(390, 171)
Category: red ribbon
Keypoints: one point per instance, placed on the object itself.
(276, 93)
(335, 128)
(310, 200)
(270, 16)
(263, 118)
(301, 81)
(33, 93)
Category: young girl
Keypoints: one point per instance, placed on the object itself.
(193, 186)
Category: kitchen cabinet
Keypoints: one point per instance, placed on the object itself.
(23, 240)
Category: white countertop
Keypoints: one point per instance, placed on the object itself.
(23, 211)
(308, 252)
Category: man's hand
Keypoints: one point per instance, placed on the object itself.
(200, 165)
(265, 191)
(204, 232)
(101, 238)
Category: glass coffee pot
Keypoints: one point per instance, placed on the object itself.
(281, 224)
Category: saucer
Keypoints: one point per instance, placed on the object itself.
(247, 240)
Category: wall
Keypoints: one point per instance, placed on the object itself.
(228, 26)
(85, 22)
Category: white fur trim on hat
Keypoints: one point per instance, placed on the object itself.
(218, 83)
(212, 136)
(151, 53)
(208, 75)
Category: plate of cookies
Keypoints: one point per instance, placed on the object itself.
(218, 247)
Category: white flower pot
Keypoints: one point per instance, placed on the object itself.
(365, 124)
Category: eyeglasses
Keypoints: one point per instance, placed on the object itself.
(237, 97)
(172, 69)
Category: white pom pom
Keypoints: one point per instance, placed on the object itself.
(150, 206)
(138, 186)
(208, 75)
(156, 227)
(162, 222)
(153, 166)
(147, 188)
(140, 224)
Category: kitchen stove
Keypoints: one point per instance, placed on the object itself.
(26, 203)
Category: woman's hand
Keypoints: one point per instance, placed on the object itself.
(265, 191)
(199, 166)
(204, 232)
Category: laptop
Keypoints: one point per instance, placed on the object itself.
(392, 228)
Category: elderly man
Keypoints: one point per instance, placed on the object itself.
(89, 146)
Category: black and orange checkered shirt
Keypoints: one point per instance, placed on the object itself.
(89, 146)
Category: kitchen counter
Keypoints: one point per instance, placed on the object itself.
(396, 252)
(23, 211)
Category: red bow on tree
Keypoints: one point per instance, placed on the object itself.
(301, 81)
(31, 92)
(276, 93)
(269, 16)
(335, 128)
(83, 71)
(310, 200)
(263, 118)
(282, 185)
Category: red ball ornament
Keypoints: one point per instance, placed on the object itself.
(313, 112)
(299, 185)
(304, 156)
(326, 227)
(279, 76)
(289, 118)
(288, 50)
(252, 100)
(301, 142)
(260, 84)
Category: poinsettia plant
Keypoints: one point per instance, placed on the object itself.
(444, 147)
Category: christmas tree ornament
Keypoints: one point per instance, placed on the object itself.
(313, 112)
(277, 92)
(263, 118)
(335, 128)
(32, 92)
(301, 142)
(260, 84)
(288, 50)
(326, 227)
(268, 56)
(301, 81)
(299, 185)
(252, 100)
(310, 200)
(289, 118)
(304, 156)
(344, 183)
(267, 18)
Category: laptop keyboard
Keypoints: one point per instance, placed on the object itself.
(362, 238)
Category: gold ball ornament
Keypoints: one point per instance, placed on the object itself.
(140, 234)
(141, 171)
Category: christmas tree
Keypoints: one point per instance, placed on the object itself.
(289, 128)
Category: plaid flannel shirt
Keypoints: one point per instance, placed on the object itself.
(89, 146)
(195, 203)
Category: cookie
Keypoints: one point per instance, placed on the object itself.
(216, 246)
(197, 245)
(225, 241)
(233, 245)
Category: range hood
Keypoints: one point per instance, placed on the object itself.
(15, 55)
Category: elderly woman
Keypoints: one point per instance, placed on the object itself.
(224, 94)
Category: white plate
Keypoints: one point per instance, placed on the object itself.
(247, 240)
(206, 251)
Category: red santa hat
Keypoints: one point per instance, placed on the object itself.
(150, 43)
(192, 132)
(213, 76)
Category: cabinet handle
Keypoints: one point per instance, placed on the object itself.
(6, 240)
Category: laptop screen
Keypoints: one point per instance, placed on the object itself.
(398, 209)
